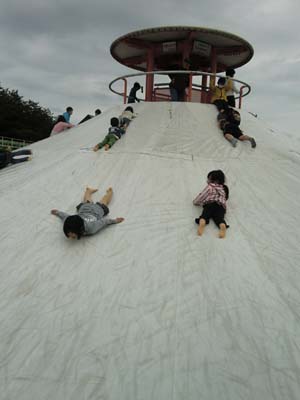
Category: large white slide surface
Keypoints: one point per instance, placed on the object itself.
(147, 310)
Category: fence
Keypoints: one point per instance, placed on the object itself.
(195, 92)
(13, 143)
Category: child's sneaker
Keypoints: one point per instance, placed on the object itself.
(234, 142)
(253, 143)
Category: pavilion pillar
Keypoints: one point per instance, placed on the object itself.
(203, 89)
(213, 69)
(186, 51)
(213, 65)
(149, 77)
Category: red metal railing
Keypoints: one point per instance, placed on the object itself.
(192, 92)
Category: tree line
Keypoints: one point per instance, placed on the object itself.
(23, 119)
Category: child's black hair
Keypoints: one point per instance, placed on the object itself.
(114, 121)
(221, 81)
(136, 85)
(230, 72)
(129, 109)
(226, 190)
(74, 224)
(60, 118)
(216, 176)
(69, 109)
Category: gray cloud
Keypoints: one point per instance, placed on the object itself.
(57, 53)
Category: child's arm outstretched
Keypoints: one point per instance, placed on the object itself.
(108, 221)
(117, 220)
(198, 201)
(60, 214)
(95, 226)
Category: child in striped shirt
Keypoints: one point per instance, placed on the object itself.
(213, 199)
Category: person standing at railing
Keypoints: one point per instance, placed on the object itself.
(231, 87)
(179, 83)
(132, 94)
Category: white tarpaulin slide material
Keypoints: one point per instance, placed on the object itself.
(147, 310)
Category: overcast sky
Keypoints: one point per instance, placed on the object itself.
(56, 52)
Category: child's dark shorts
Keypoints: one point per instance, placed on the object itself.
(214, 211)
(98, 209)
(233, 130)
(125, 121)
(221, 104)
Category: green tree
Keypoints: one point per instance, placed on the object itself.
(23, 119)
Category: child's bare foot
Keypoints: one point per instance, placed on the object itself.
(106, 147)
(91, 190)
(201, 227)
(106, 199)
(222, 232)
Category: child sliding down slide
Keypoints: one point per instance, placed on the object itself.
(126, 117)
(90, 218)
(114, 134)
(229, 122)
(213, 199)
(13, 157)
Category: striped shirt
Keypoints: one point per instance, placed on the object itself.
(213, 193)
